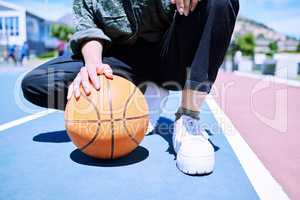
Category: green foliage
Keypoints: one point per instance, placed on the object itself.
(49, 54)
(246, 44)
(273, 47)
(298, 47)
(61, 32)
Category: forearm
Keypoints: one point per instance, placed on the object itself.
(92, 53)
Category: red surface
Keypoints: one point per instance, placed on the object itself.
(267, 116)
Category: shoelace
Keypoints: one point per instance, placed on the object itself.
(194, 128)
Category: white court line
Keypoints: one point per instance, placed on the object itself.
(271, 78)
(263, 182)
(25, 119)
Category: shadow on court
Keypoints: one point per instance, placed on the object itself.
(52, 137)
(164, 129)
(138, 155)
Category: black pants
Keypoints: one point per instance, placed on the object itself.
(198, 41)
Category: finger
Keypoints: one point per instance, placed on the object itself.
(76, 87)
(70, 91)
(94, 78)
(180, 6)
(173, 1)
(85, 80)
(100, 70)
(193, 5)
(187, 7)
(108, 72)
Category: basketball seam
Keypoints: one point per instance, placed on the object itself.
(112, 120)
(129, 134)
(107, 120)
(124, 117)
(127, 102)
(98, 127)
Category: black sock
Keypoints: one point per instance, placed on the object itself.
(183, 111)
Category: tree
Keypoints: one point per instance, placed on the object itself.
(273, 46)
(246, 44)
(61, 32)
(298, 47)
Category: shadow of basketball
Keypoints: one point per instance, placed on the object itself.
(138, 155)
(52, 137)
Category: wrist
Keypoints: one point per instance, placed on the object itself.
(92, 53)
(93, 63)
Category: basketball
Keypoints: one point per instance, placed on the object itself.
(109, 123)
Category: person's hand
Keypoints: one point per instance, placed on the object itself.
(185, 6)
(87, 74)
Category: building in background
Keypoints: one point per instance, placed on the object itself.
(18, 25)
(264, 35)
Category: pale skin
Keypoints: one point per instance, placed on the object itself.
(92, 54)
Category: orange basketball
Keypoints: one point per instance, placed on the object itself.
(108, 123)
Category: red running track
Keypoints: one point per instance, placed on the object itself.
(267, 116)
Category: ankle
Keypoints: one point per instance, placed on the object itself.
(184, 111)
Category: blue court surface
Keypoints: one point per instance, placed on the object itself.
(38, 161)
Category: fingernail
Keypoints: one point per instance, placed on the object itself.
(181, 11)
(77, 94)
(186, 13)
(87, 91)
(97, 85)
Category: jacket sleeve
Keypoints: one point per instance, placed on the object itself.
(85, 26)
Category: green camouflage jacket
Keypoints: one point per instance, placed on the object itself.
(120, 21)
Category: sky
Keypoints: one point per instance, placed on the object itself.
(282, 15)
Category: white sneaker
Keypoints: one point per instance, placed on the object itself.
(195, 154)
(156, 98)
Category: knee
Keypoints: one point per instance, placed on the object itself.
(26, 85)
(32, 87)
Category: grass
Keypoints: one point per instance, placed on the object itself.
(47, 55)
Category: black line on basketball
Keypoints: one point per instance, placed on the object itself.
(129, 134)
(98, 127)
(105, 120)
(127, 102)
(112, 120)
(124, 117)
(137, 117)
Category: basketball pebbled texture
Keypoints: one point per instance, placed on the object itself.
(109, 123)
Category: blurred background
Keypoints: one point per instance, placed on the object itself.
(266, 38)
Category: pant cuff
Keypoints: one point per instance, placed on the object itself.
(183, 111)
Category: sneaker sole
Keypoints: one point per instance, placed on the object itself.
(195, 165)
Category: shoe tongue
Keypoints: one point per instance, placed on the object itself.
(192, 125)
